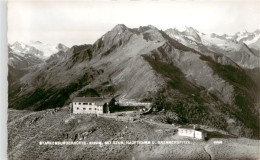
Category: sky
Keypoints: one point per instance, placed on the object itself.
(75, 22)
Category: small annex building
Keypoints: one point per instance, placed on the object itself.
(90, 105)
(192, 131)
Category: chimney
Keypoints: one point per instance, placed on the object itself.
(194, 126)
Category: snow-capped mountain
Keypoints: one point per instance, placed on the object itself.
(242, 48)
(22, 58)
(247, 37)
(193, 34)
(22, 49)
(19, 63)
(48, 49)
(37, 48)
(21, 55)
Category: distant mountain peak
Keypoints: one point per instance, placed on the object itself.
(257, 31)
(16, 43)
(119, 27)
(190, 30)
(18, 46)
(173, 31)
(246, 31)
(61, 47)
(146, 28)
(152, 27)
(37, 48)
(35, 42)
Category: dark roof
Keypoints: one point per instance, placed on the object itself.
(187, 126)
(191, 127)
(97, 100)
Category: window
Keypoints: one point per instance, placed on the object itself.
(77, 108)
(95, 109)
(90, 103)
(89, 108)
(84, 108)
(79, 103)
(75, 103)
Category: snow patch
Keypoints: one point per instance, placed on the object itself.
(253, 40)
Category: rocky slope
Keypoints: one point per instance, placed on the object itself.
(202, 78)
(26, 129)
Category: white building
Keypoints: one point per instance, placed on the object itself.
(133, 102)
(192, 131)
(90, 105)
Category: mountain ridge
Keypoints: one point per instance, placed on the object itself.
(194, 77)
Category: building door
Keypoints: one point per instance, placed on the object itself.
(105, 108)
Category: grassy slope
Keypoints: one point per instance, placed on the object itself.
(246, 92)
(185, 98)
(188, 101)
(51, 98)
